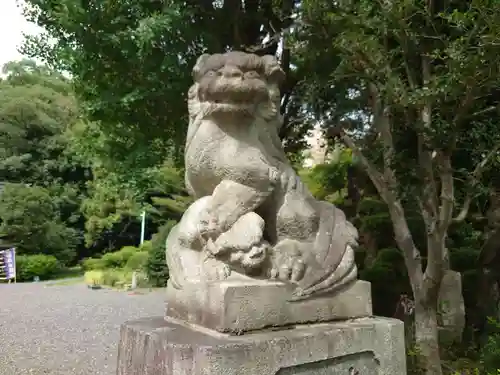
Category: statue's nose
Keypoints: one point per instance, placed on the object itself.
(230, 71)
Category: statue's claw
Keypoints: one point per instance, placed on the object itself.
(224, 272)
(287, 267)
(209, 229)
(216, 270)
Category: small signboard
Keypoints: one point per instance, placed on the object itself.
(8, 264)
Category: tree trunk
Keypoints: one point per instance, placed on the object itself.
(426, 335)
(425, 289)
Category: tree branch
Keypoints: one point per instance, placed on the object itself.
(376, 177)
(383, 126)
(402, 232)
(476, 175)
(447, 193)
(429, 201)
(437, 254)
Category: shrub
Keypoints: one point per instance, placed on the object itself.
(90, 264)
(43, 266)
(156, 266)
(389, 280)
(109, 277)
(113, 260)
(146, 246)
(138, 260)
(126, 252)
(118, 259)
(113, 276)
(490, 351)
(94, 277)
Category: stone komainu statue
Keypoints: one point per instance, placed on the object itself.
(253, 216)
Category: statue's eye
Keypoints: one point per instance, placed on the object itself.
(252, 74)
(210, 73)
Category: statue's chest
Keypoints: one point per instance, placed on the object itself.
(215, 156)
(216, 151)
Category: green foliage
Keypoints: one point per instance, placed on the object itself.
(138, 261)
(146, 246)
(377, 54)
(129, 257)
(40, 211)
(374, 215)
(154, 44)
(119, 259)
(43, 266)
(329, 181)
(36, 108)
(31, 219)
(389, 280)
(464, 258)
(110, 277)
(114, 276)
(91, 264)
(144, 43)
(490, 352)
(156, 267)
(116, 198)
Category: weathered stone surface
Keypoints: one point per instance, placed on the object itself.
(353, 364)
(370, 346)
(451, 307)
(245, 306)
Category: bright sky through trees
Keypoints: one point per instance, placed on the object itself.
(12, 27)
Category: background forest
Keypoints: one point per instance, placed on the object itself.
(405, 92)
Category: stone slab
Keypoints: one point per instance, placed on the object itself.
(231, 306)
(366, 346)
(451, 318)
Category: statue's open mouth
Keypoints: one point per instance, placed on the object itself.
(226, 106)
(229, 96)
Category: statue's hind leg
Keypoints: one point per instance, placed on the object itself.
(292, 225)
(296, 218)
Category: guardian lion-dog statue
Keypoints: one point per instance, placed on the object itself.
(253, 216)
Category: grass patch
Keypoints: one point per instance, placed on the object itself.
(63, 282)
(113, 277)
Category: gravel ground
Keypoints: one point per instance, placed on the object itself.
(66, 329)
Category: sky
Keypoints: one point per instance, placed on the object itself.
(12, 27)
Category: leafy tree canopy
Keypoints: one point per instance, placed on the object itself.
(131, 61)
(36, 110)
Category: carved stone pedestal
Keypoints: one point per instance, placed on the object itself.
(242, 306)
(365, 346)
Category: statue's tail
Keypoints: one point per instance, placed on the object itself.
(334, 253)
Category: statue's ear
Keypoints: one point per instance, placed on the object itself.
(274, 73)
(199, 64)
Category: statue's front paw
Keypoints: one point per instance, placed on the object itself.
(223, 272)
(288, 268)
(209, 228)
(274, 175)
(216, 270)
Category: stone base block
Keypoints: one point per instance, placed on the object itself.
(236, 306)
(367, 346)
